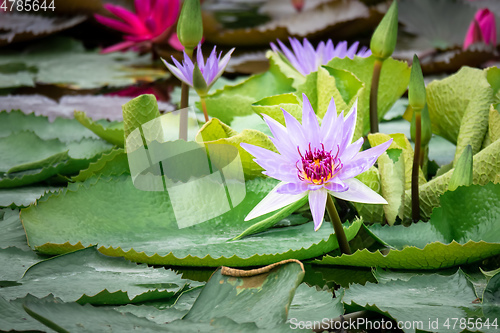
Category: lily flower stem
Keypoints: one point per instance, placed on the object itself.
(337, 225)
(377, 67)
(415, 201)
(204, 108)
(183, 122)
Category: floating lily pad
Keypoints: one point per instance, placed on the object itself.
(216, 132)
(15, 262)
(394, 79)
(263, 298)
(461, 231)
(23, 196)
(18, 27)
(12, 234)
(64, 62)
(486, 167)
(73, 317)
(427, 301)
(87, 276)
(237, 100)
(111, 132)
(141, 226)
(459, 107)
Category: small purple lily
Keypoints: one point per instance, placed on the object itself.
(315, 161)
(305, 59)
(211, 70)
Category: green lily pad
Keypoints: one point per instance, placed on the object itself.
(87, 276)
(370, 212)
(423, 302)
(486, 167)
(216, 132)
(15, 262)
(237, 100)
(459, 108)
(272, 106)
(264, 298)
(65, 62)
(112, 132)
(65, 130)
(23, 151)
(23, 196)
(461, 231)
(310, 304)
(394, 79)
(72, 317)
(12, 230)
(113, 163)
(162, 312)
(76, 156)
(491, 298)
(141, 226)
(330, 82)
(14, 318)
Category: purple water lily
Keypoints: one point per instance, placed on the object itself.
(211, 70)
(315, 160)
(305, 59)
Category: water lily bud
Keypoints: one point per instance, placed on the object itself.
(384, 38)
(462, 175)
(416, 90)
(482, 29)
(199, 83)
(190, 24)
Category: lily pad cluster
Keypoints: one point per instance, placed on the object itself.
(83, 247)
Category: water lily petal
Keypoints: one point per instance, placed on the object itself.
(349, 126)
(351, 150)
(293, 188)
(295, 132)
(128, 17)
(336, 185)
(317, 203)
(281, 140)
(114, 24)
(178, 71)
(359, 192)
(310, 124)
(272, 202)
(118, 47)
(352, 50)
(362, 161)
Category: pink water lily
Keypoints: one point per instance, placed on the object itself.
(481, 29)
(211, 69)
(314, 161)
(152, 22)
(306, 59)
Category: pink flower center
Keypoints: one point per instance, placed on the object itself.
(318, 166)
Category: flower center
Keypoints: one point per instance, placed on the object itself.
(318, 166)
